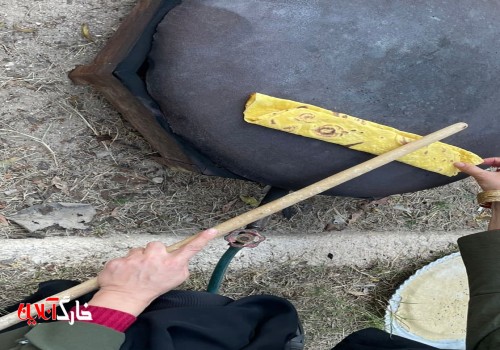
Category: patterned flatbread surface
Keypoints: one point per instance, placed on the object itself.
(355, 133)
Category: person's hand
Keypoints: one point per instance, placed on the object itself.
(488, 180)
(131, 283)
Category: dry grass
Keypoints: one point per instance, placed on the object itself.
(447, 208)
(20, 278)
(124, 190)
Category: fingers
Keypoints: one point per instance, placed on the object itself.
(155, 248)
(494, 162)
(186, 252)
(134, 251)
(196, 245)
(471, 169)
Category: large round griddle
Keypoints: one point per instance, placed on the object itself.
(415, 66)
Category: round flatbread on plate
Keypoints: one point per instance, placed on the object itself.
(431, 306)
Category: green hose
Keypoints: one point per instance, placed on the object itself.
(220, 269)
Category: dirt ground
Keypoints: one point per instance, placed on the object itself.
(64, 143)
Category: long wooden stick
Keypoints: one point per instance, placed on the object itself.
(272, 207)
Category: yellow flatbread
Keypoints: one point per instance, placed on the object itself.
(358, 134)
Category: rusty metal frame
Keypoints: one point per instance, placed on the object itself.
(99, 75)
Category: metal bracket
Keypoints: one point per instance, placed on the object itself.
(244, 238)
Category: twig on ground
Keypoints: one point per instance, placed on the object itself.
(94, 130)
(36, 139)
(74, 110)
(364, 273)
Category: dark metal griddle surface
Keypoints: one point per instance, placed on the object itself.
(413, 65)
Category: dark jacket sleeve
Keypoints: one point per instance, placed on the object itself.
(481, 256)
(63, 336)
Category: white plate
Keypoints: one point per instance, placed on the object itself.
(431, 306)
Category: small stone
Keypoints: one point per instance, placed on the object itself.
(157, 180)
(10, 192)
(43, 166)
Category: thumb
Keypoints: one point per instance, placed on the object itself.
(471, 170)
